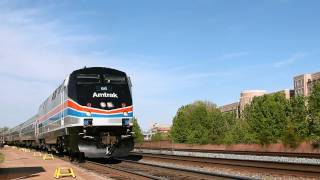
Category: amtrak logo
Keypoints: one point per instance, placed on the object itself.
(111, 95)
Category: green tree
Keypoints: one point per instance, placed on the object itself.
(198, 123)
(157, 137)
(138, 136)
(219, 125)
(314, 113)
(298, 116)
(179, 131)
(240, 133)
(290, 137)
(297, 124)
(266, 117)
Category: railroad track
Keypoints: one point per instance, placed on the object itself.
(169, 172)
(258, 167)
(153, 166)
(256, 153)
(129, 169)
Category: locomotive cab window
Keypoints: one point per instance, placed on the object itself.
(88, 79)
(114, 79)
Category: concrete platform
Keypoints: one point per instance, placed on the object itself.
(23, 165)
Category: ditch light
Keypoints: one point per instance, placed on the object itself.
(87, 122)
(125, 121)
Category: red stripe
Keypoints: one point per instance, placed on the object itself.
(76, 106)
(53, 112)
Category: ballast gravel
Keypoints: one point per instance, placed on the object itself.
(279, 159)
(230, 171)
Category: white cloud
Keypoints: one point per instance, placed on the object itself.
(208, 75)
(35, 57)
(292, 59)
(233, 55)
(37, 52)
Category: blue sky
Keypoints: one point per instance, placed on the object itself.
(176, 52)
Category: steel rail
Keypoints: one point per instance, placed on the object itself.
(128, 171)
(278, 166)
(191, 170)
(256, 153)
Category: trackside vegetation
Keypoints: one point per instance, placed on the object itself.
(138, 136)
(268, 119)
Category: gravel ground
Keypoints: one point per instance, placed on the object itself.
(230, 171)
(310, 161)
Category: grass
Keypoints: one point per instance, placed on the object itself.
(1, 158)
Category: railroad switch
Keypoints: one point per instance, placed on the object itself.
(64, 171)
(48, 157)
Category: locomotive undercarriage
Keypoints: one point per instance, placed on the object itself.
(95, 142)
(80, 142)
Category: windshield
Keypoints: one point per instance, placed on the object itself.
(88, 79)
(103, 91)
(114, 79)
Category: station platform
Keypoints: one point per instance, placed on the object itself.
(24, 165)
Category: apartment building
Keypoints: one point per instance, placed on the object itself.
(303, 83)
(231, 108)
(246, 98)
(302, 86)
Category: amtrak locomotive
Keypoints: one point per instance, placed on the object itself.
(89, 114)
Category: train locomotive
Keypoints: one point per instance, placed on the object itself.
(89, 114)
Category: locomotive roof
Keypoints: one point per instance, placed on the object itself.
(94, 70)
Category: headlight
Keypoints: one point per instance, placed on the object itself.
(103, 104)
(110, 105)
(88, 113)
(125, 113)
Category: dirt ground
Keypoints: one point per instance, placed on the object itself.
(23, 165)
